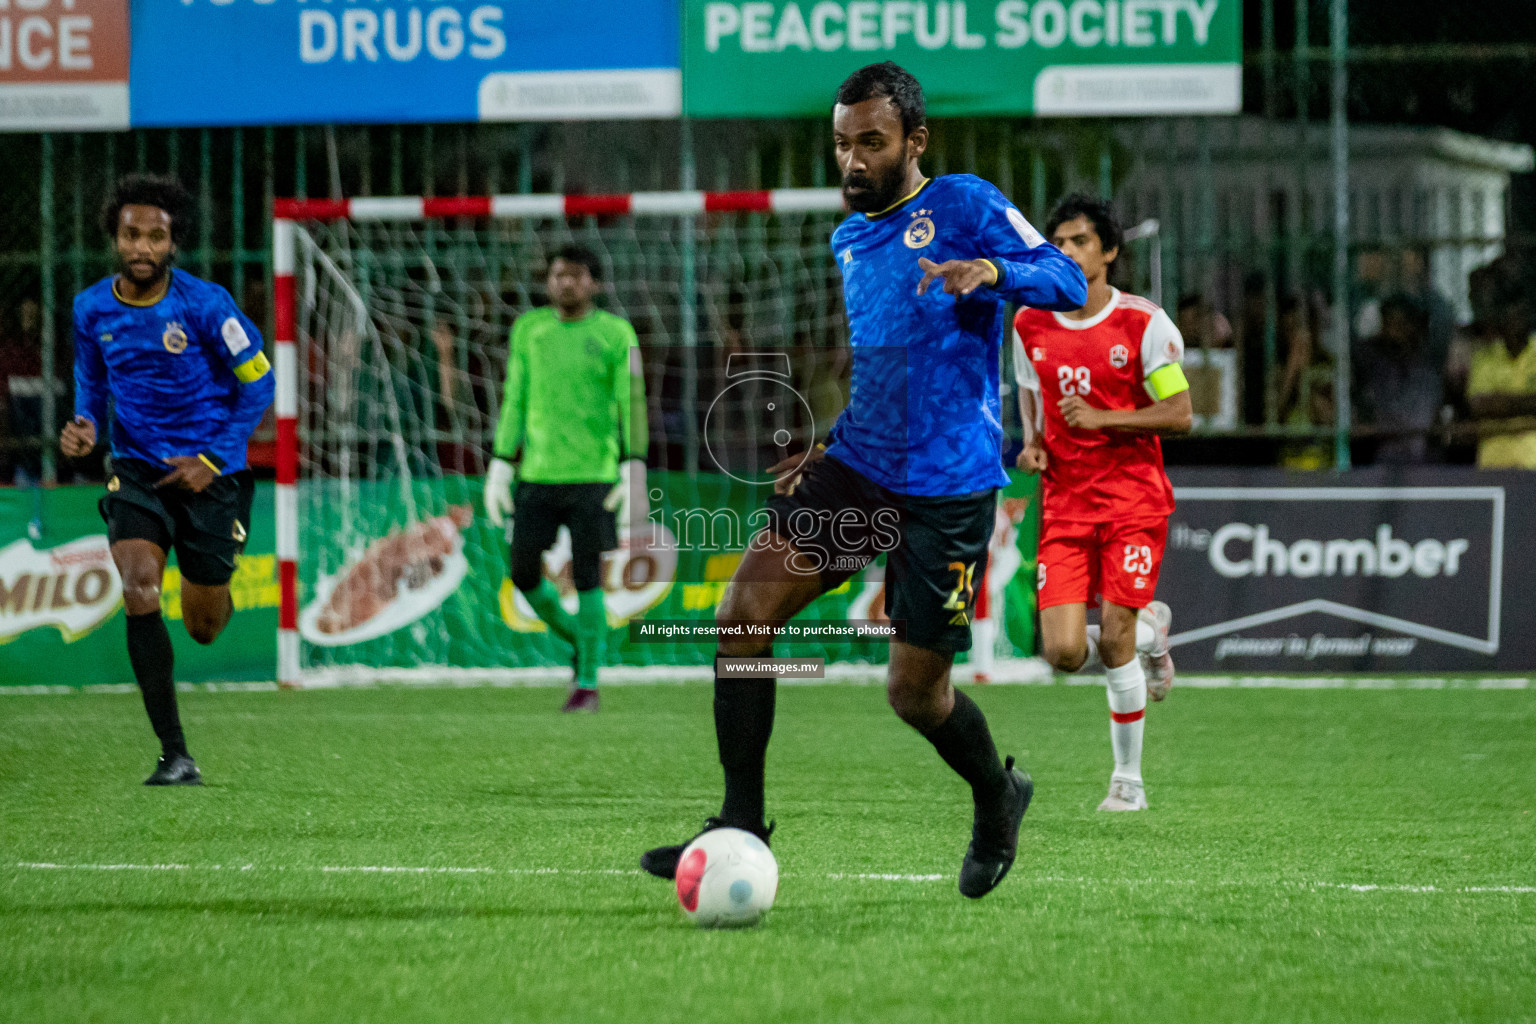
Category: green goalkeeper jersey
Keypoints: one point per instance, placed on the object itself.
(575, 398)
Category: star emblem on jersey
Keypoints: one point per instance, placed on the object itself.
(919, 233)
(1119, 356)
(174, 338)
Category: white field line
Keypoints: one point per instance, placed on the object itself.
(1025, 673)
(1084, 882)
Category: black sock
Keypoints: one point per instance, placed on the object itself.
(965, 744)
(153, 658)
(743, 723)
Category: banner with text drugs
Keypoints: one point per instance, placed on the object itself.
(974, 57)
(238, 62)
(1411, 571)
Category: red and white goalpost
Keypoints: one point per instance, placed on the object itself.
(285, 363)
(319, 266)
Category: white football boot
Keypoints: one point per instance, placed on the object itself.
(1125, 795)
(1156, 662)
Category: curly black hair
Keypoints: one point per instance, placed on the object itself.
(892, 81)
(156, 190)
(1099, 213)
(580, 255)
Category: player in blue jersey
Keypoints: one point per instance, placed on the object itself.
(183, 372)
(912, 464)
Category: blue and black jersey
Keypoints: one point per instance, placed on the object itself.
(923, 413)
(185, 375)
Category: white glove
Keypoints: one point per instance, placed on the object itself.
(630, 499)
(498, 491)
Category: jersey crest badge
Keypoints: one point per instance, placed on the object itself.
(919, 233)
(1119, 356)
(174, 339)
(847, 259)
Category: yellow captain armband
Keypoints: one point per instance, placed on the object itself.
(253, 369)
(1167, 381)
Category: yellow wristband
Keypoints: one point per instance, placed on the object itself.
(996, 274)
(205, 460)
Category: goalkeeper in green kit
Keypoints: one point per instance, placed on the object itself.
(574, 409)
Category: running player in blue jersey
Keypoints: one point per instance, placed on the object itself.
(183, 371)
(912, 465)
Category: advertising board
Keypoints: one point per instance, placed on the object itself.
(257, 62)
(974, 57)
(63, 65)
(1413, 571)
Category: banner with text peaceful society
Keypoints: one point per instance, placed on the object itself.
(1043, 57)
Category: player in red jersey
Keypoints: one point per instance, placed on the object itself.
(1097, 387)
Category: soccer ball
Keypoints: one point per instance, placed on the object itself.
(726, 878)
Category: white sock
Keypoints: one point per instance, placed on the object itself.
(1127, 710)
(1094, 662)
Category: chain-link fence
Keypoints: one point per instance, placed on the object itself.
(1235, 223)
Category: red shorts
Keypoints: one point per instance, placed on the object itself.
(1081, 562)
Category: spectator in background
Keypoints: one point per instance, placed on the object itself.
(1501, 382)
(1204, 331)
(1399, 382)
(1306, 387)
(1441, 315)
(1250, 345)
(21, 392)
(1201, 325)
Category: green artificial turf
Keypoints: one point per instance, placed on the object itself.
(1228, 901)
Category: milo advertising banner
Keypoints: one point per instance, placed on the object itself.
(400, 575)
(61, 601)
(409, 575)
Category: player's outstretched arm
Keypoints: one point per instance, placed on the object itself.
(1029, 270)
(960, 277)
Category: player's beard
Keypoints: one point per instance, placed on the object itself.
(161, 268)
(875, 193)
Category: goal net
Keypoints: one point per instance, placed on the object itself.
(393, 322)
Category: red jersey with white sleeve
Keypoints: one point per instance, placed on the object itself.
(1124, 357)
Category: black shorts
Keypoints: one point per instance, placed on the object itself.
(206, 529)
(936, 548)
(539, 510)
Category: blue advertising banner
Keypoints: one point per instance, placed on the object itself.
(241, 62)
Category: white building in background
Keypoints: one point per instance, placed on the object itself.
(1234, 195)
